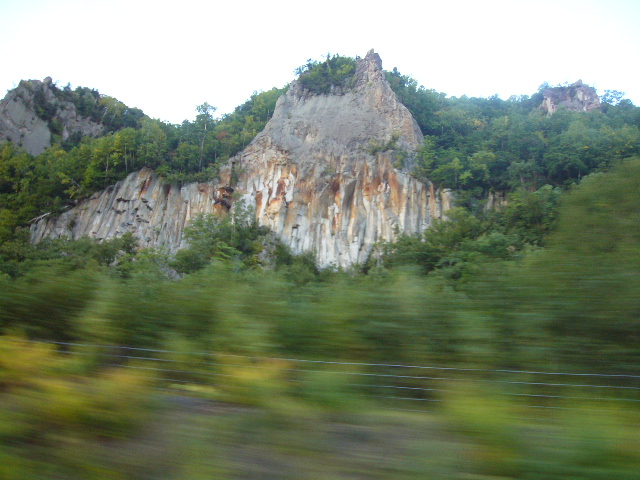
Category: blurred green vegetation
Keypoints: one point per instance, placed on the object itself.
(578, 440)
(53, 404)
(63, 417)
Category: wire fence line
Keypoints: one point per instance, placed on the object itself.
(397, 386)
(328, 362)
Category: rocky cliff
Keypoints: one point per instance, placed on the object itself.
(577, 97)
(322, 175)
(32, 112)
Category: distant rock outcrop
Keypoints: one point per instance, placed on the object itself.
(31, 113)
(322, 175)
(577, 97)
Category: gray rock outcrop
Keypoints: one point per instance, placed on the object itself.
(23, 125)
(323, 175)
(577, 97)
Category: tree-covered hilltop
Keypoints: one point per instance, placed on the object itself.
(487, 144)
(109, 111)
(69, 114)
(513, 152)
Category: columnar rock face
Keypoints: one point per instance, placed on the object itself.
(321, 175)
(316, 179)
(155, 211)
(577, 97)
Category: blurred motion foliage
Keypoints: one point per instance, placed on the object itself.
(53, 403)
(581, 442)
(585, 285)
(473, 302)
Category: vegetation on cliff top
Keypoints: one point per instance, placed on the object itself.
(335, 74)
(476, 145)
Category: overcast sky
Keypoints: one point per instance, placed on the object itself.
(167, 57)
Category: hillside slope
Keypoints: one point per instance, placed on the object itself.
(321, 175)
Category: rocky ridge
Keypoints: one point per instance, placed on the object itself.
(21, 124)
(322, 175)
(577, 97)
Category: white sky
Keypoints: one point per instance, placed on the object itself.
(167, 57)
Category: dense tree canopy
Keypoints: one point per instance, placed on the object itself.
(491, 144)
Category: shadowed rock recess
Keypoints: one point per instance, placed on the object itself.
(321, 175)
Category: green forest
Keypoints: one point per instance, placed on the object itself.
(542, 292)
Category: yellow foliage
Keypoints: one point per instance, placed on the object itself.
(22, 361)
(43, 400)
(253, 381)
